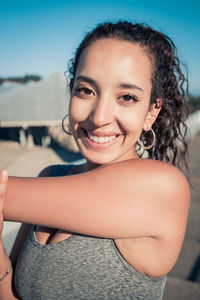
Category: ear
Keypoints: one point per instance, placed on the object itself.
(152, 114)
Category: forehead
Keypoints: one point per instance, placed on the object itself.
(117, 59)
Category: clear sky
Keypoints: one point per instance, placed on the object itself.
(39, 36)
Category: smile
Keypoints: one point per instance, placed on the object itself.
(101, 139)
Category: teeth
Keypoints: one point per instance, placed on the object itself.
(102, 139)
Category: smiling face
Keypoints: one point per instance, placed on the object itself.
(110, 101)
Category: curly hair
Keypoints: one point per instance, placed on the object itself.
(168, 83)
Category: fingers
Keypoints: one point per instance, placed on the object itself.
(3, 183)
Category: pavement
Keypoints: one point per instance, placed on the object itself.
(184, 280)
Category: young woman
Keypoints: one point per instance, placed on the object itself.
(113, 227)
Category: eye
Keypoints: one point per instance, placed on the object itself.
(84, 91)
(129, 98)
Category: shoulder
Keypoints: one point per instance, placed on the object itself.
(150, 172)
(159, 183)
(171, 180)
(167, 189)
(160, 175)
(167, 197)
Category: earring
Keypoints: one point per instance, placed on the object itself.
(63, 125)
(151, 145)
(157, 105)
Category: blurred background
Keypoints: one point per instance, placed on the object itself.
(37, 39)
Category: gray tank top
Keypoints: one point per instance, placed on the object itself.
(80, 267)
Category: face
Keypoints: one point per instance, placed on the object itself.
(110, 101)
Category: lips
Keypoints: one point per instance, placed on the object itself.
(100, 137)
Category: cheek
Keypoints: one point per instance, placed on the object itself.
(78, 111)
(133, 122)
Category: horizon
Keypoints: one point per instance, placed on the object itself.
(39, 37)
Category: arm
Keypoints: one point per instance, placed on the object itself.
(24, 229)
(6, 291)
(128, 199)
(6, 286)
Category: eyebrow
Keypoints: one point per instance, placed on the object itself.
(87, 79)
(121, 85)
(130, 86)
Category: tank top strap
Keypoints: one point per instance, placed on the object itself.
(59, 170)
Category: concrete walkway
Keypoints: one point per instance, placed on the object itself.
(184, 280)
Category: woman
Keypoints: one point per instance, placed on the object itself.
(113, 228)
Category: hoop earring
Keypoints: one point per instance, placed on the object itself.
(151, 145)
(63, 125)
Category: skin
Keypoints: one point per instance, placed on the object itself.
(5, 288)
(128, 198)
(115, 104)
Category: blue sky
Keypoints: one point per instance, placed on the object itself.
(39, 37)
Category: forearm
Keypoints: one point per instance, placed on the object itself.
(6, 288)
(27, 199)
(39, 200)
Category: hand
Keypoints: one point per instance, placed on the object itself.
(3, 184)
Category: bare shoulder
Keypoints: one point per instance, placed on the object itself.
(150, 174)
(166, 194)
(170, 189)
(161, 176)
(171, 180)
(157, 188)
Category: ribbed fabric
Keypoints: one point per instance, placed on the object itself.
(80, 267)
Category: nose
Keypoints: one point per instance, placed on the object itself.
(103, 111)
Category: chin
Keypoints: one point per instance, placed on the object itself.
(99, 156)
(99, 161)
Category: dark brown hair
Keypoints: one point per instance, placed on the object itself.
(168, 83)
